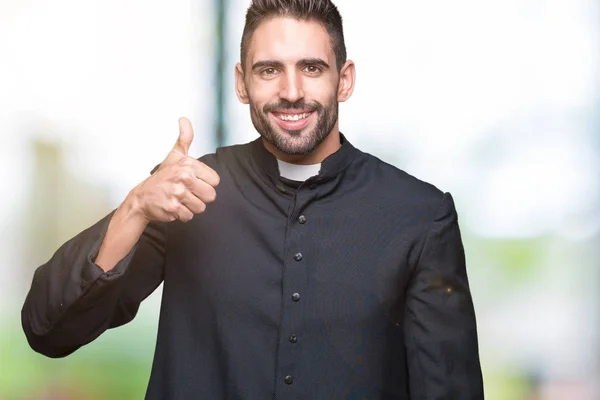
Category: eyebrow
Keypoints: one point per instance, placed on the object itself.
(267, 64)
(313, 61)
(279, 64)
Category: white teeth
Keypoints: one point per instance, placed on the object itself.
(293, 117)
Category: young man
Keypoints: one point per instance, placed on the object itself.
(316, 272)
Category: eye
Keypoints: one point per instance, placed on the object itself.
(269, 71)
(312, 69)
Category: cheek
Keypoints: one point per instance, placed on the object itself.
(320, 90)
(262, 90)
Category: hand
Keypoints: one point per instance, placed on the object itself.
(180, 188)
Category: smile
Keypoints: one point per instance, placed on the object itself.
(292, 117)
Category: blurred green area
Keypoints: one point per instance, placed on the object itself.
(115, 366)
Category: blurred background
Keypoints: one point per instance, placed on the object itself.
(497, 102)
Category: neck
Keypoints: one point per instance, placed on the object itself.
(330, 145)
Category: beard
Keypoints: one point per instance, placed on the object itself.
(295, 142)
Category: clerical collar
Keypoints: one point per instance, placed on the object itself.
(296, 172)
(330, 167)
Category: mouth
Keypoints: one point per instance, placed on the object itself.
(292, 120)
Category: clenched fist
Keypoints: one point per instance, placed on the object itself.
(181, 187)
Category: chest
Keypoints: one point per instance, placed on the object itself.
(336, 254)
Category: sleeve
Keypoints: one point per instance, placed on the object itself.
(440, 327)
(72, 300)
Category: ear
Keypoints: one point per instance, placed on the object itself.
(240, 85)
(347, 80)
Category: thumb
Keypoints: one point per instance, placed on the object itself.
(186, 135)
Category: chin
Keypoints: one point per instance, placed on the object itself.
(297, 145)
(294, 149)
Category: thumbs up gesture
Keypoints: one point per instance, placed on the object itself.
(181, 187)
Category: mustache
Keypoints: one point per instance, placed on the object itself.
(297, 105)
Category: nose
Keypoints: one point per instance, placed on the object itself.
(291, 87)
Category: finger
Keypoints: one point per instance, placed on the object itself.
(206, 173)
(184, 214)
(193, 203)
(186, 136)
(202, 190)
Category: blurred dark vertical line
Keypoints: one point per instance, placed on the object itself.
(221, 5)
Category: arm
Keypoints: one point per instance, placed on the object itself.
(72, 300)
(98, 279)
(124, 230)
(440, 327)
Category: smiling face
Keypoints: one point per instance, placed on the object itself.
(293, 87)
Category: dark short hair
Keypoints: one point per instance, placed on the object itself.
(323, 11)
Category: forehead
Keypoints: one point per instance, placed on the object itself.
(287, 39)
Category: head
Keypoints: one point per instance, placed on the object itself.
(293, 72)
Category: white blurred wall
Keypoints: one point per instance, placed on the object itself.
(105, 79)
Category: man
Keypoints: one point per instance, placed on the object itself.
(315, 272)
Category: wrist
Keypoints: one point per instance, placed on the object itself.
(132, 208)
(124, 230)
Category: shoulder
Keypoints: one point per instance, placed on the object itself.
(404, 196)
(396, 182)
(227, 154)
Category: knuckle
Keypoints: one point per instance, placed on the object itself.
(170, 210)
(178, 191)
(172, 207)
(187, 176)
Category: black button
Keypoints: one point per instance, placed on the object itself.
(296, 297)
(280, 187)
(289, 380)
(313, 186)
(298, 256)
(302, 219)
(293, 338)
